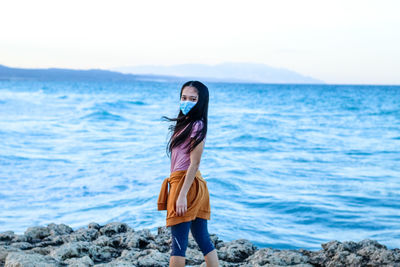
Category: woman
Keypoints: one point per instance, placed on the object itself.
(187, 201)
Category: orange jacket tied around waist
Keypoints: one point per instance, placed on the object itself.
(198, 198)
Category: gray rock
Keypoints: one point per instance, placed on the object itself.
(116, 244)
(59, 229)
(22, 245)
(101, 254)
(20, 259)
(81, 234)
(194, 256)
(71, 250)
(102, 241)
(20, 238)
(42, 250)
(236, 250)
(7, 236)
(79, 262)
(138, 239)
(349, 253)
(117, 263)
(151, 258)
(52, 241)
(113, 228)
(36, 233)
(276, 257)
(4, 250)
(94, 225)
(162, 240)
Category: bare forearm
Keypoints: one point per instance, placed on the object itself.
(189, 177)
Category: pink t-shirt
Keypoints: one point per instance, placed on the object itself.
(180, 159)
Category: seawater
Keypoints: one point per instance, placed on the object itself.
(287, 166)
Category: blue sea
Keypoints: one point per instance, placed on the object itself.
(287, 166)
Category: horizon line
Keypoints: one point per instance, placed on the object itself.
(249, 82)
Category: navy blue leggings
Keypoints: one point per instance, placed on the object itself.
(180, 236)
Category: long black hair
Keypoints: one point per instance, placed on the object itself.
(198, 112)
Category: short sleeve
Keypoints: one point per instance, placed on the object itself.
(197, 126)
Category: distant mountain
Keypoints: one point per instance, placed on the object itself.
(228, 72)
(58, 74)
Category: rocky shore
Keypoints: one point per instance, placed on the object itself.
(117, 244)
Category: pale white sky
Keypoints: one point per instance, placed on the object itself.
(338, 41)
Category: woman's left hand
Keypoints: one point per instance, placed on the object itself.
(181, 205)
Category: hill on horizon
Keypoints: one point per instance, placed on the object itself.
(228, 71)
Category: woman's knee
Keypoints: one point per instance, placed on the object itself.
(179, 235)
(201, 235)
(178, 247)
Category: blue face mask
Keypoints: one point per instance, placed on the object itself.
(186, 106)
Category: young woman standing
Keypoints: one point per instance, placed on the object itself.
(188, 202)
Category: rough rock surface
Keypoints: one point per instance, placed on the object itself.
(116, 244)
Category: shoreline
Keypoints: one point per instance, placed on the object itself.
(117, 244)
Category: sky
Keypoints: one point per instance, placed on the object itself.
(342, 42)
